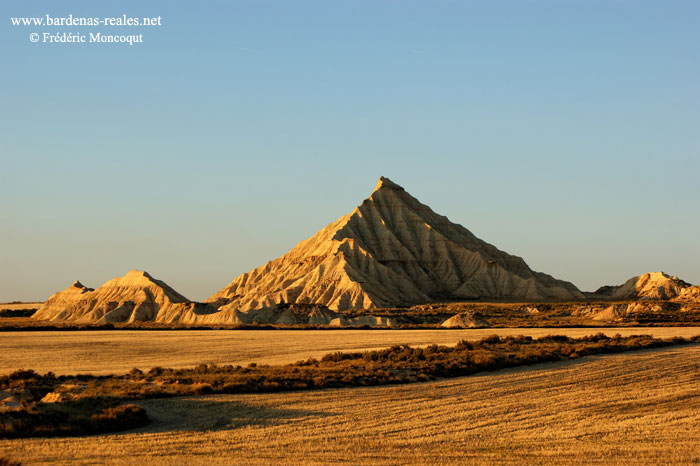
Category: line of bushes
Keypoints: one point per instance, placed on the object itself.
(93, 404)
(17, 312)
(84, 416)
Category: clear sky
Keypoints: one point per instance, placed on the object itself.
(565, 132)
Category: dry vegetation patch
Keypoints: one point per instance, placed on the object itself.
(568, 412)
(60, 405)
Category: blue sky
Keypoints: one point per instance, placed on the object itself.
(565, 132)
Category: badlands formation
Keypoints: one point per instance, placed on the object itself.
(138, 297)
(391, 251)
(655, 285)
(654, 295)
(135, 297)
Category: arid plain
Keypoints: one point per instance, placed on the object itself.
(116, 351)
(634, 408)
(303, 360)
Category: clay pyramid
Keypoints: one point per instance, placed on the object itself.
(134, 297)
(138, 297)
(390, 251)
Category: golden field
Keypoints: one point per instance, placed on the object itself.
(633, 408)
(116, 351)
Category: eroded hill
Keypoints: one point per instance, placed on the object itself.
(390, 251)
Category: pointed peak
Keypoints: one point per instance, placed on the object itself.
(135, 278)
(386, 183)
(659, 278)
(654, 276)
(140, 280)
(77, 287)
(137, 274)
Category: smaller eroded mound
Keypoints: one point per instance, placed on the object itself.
(138, 297)
(655, 285)
(466, 320)
(635, 311)
(135, 297)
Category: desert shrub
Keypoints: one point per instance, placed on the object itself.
(31, 385)
(8, 462)
(118, 418)
(490, 340)
(517, 339)
(17, 313)
(156, 371)
(557, 338)
(340, 356)
(136, 374)
(81, 417)
(464, 345)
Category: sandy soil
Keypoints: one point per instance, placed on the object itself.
(632, 408)
(105, 352)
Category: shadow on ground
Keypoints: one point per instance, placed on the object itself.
(215, 412)
(222, 412)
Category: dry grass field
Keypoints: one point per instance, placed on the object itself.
(109, 352)
(632, 408)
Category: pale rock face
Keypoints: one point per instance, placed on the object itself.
(372, 321)
(391, 250)
(466, 320)
(587, 310)
(689, 294)
(609, 314)
(655, 285)
(286, 315)
(615, 312)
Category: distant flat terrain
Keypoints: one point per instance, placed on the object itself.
(633, 408)
(107, 352)
(18, 306)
